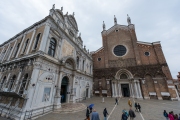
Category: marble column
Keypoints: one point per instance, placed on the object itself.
(132, 90)
(115, 89)
(137, 94)
(140, 94)
(120, 93)
(112, 89)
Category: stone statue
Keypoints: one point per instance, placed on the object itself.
(115, 20)
(79, 34)
(53, 7)
(104, 26)
(73, 14)
(128, 20)
(67, 13)
(61, 8)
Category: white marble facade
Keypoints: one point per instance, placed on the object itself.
(59, 68)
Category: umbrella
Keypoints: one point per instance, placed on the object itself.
(91, 105)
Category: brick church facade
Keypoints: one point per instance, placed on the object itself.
(125, 67)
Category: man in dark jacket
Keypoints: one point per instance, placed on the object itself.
(105, 113)
(131, 114)
(87, 114)
(95, 115)
(124, 117)
(135, 105)
(116, 101)
(139, 107)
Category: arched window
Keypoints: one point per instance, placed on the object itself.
(37, 41)
(90, 69)
(24, 84)
(11, 83)
(52, 47)
(123, 76)
(25, 45)
(2, 82)
(83, 66)
(77, 62)
(17, 48)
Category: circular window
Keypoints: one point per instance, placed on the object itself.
(120, 50)
(99, 59)
(146, 53)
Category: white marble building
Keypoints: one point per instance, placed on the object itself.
(45, 65)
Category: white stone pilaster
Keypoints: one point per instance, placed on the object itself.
(31, 41)
(7, 51)
(12, 50)
(21, 44)
(44, 37)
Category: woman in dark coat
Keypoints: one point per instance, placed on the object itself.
(87, 114)
(139, 107)
(105, 113)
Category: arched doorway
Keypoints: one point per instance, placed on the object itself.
(125, 86)
(64, 86)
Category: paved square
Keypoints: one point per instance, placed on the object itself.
(151, 109)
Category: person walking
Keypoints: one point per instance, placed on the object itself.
(135, 105)
(105, 113)
(139, 107)
(129, 103)
(116, 101)
(87, 114)
(124, 117)
(95, 115)
(165, 114)
(131, 114)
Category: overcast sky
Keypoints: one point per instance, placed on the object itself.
(154, 20)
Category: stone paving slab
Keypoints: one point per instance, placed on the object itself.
(151, 109)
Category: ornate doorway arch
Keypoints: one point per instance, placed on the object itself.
(64, 88)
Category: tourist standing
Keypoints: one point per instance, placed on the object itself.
(175, 117)
(131, 114)
(129, 103)
(95, 115)
(139, 107)
(179, 117)
(171, 117)
(124, 117)
(135, 105)
(105, 113)
(165, 114)
(87, 114)
(116, 101)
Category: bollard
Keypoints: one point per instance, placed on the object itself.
(103, 99)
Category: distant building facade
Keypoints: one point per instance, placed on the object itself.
(43, 66)
(125, 67)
